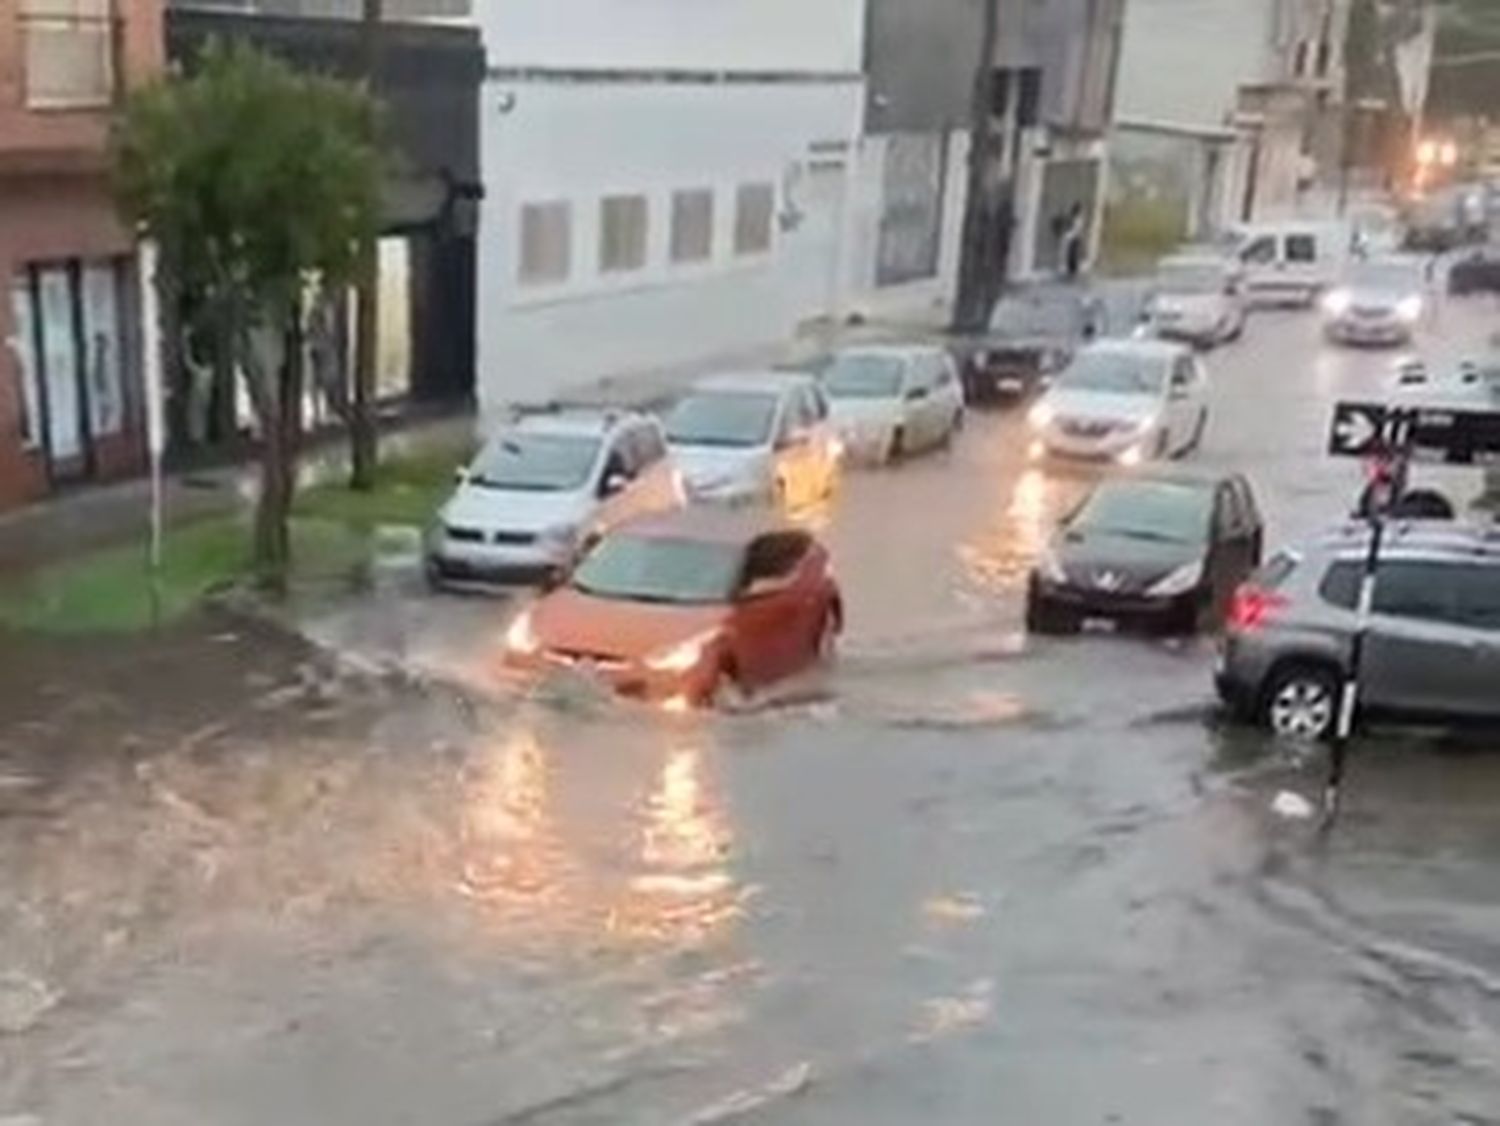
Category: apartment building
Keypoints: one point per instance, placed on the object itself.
(70, 402)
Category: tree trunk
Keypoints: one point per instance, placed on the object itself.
(978, 286)
(281, 433)
(363, 451)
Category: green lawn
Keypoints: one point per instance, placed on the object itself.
(106, 591)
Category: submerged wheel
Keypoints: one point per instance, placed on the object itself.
(1302, 703)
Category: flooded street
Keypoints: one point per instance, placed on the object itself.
(964, 876)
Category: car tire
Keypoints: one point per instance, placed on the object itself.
(1301, 702)
(1046, 618)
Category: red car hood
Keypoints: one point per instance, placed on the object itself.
(581, 623)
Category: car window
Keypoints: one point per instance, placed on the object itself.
(1182, 372)
(643, 448)
(1245, 499)
(862, 375)
(775, 556)
(1477, 589)
(1160, 511)
(819, 403)
(1260, 251)
(1114, 372)
(804, 411)
(1301, 248)
(1340, 585)
(659, 569)
(730, 419)
(1226, 516)
(527, 462)
(1417, 590)
(945, 375)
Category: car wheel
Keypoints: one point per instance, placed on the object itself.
(898, 446)
(1301, 703)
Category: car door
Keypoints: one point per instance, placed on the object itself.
(802, 454)
(1236, 541)
(916, 406)
(655, 487)
(1183, 406)
(770, 607)
(1300, 259)
(1259, 259)
(1417, 656)
(1478, 591)
(620, 465)
(825, 436)
(949, 397)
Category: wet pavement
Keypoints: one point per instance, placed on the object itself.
(962, 877)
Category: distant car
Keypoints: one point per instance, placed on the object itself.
(687, 607)
(1125, 401)
(1161, 548)
(1033, 333)
(1433, 650)
(889, 402)
(1478, 272)
(1293, 261)
(542, 488)
(759, 437)
(1376, 302)
(1197, 299)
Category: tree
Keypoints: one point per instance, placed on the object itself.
(258, 185)
(363, 437)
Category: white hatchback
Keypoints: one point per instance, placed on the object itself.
(1124, 401)
(545, 487)
(888, 402)
(755, 437)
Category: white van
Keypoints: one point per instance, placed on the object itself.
(1291, 262)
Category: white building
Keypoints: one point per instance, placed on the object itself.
(667, 183)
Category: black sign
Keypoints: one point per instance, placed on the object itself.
(1457, 436)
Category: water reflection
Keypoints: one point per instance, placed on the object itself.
(1003, 554)
(508, 844)
(683, 889)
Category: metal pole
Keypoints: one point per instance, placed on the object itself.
(151, 377)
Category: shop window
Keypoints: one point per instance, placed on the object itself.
(754, 208)
(693, 225)
(622, 233)
(22, 345)
(546, 243)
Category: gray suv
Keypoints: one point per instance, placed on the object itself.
(1433, 650)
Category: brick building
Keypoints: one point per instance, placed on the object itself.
(70, 401)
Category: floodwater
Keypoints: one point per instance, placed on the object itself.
(963, 876)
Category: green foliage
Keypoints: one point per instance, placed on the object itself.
(250, 176)
(407, 491)
(106, 591)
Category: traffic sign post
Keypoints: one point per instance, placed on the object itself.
(1394, 437)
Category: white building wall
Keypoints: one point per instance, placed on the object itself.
(579, 141)
(1182, 61)
(772, 36)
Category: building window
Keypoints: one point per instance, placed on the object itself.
(753, 208)
(69, 53)
(622, 233)
(22, 345)
(693, 225)
(101, 341)
(546, 243)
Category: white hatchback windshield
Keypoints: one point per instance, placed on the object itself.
(542, 463)
(864, 377)
(723, 418)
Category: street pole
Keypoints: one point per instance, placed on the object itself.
(971, 303)
(362, 433)
(151, 376)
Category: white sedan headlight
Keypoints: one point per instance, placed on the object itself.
(1410, 309)
(1180, 581)
(1042, 416)
(684, 656)
(1337, 303)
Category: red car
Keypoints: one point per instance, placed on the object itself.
(682, 607)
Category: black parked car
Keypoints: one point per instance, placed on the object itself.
(1033, 334)
(1479, 272)
(1164, 548)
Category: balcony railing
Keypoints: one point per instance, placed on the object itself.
(71, 53)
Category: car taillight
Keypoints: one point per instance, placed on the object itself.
(1252, 607)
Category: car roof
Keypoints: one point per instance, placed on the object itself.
(710, 524)
(581, 421)
(1453, 539)
(764, 382)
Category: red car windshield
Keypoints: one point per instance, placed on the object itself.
(659, 569)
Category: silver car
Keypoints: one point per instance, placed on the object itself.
(1433, 650)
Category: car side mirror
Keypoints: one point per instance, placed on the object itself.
(613, 484)
(916, 394)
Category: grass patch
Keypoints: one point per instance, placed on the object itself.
(107, 591)
(407, 491)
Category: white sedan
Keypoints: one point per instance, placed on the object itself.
(1124, 401)
(889, 402)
